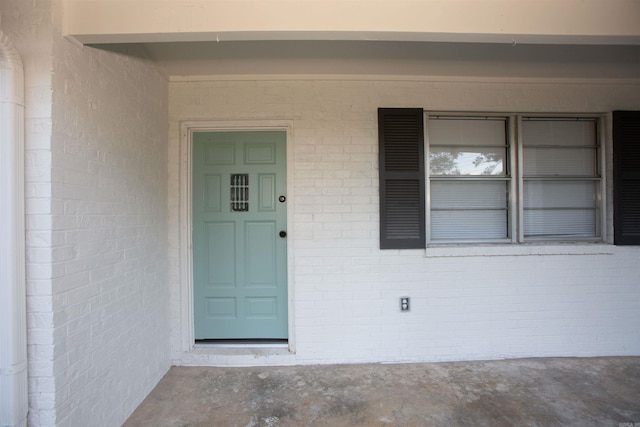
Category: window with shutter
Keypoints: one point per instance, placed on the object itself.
(496, 178)
(626, 176)
(402, 179)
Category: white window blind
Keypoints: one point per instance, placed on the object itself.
(561, 178)
(468, 178)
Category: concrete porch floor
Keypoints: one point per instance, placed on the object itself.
(521, 392)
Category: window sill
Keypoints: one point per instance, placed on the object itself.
(530, 249)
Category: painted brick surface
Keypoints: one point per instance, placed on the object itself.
(28, 24)
(96, 197)
(518, 302)
(109, 203)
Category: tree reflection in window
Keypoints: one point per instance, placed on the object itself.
(460, 162)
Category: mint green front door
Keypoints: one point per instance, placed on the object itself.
(239, 234)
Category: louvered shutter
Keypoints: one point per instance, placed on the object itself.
(626, 177)
(402, 180)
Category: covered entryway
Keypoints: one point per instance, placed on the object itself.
(239, 235)
(548, 392)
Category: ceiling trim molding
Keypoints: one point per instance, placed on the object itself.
(373, 77)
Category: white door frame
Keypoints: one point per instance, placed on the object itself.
(185, 221)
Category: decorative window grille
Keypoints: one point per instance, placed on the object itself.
(239, 192)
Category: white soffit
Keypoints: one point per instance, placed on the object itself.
(450, 60)
(486, 21)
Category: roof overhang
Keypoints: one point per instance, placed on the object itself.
(593, 22)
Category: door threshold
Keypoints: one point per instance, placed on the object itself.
(238, 354)
(242, 343)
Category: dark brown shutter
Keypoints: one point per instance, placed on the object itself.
(626, 177)
(402, 191)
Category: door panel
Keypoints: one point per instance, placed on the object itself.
(267, 192)
(239, 258)
(261, 308)
(220, 238)
(260, 154)
(222, 153)
(261, 260)
(213, 193)
(221, 308)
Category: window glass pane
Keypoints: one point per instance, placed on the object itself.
(559, 161)
(570, 132)
(462, 210)
(560, 148)
(558, 223)
(468, 195)
(468, 209)
(466, 161)
(468, 224)
(560, 194)
(469, 172)
(466, 132)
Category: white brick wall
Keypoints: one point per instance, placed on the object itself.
(518, 303)
(96, 202)
(109, 204)
(28, 24)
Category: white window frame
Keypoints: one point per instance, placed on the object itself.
(514, 144)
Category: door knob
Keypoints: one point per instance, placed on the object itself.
(283, 234)
(282, 199)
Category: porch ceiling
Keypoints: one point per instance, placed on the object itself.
(493, 38)
(486, 21)
(287, 57)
